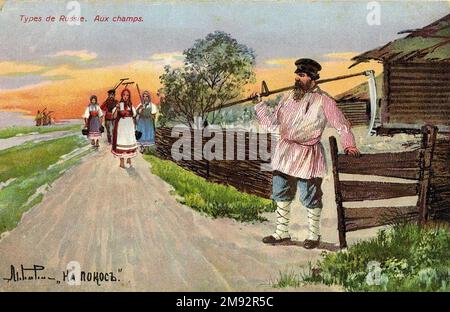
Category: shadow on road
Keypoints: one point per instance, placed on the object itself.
(322, 245)
(132, 172)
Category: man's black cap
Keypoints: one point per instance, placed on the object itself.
(308, 66)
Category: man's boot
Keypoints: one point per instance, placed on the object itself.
(282, 231)
(313, 239)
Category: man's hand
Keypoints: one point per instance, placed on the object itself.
(354, 151)
(257, 97)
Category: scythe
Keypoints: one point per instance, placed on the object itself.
(372, 90)
(372, 98)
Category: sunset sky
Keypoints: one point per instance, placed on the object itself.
(58, 66)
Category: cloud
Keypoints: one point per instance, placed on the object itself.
(341, 56)
(15, 75)
(66, 89)
(11, 69)
(336, 56)
(278, 62)
(14, 85)
(83, 55)
(167, 58)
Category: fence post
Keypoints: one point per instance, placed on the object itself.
(337, 193)
(426, 156)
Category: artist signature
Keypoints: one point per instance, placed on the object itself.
(36, 272)
(72, 276)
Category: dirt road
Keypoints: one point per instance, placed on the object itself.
(109, 220)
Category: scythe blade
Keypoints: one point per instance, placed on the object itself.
(372, 98)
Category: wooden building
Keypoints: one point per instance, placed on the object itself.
(416, 77)
(416, 91)
(355, 103)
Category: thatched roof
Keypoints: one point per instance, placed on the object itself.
(428, 44)
(361, 91)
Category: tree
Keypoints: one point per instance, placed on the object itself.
(215, 71)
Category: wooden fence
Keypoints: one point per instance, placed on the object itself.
(413, 165)
(440, 178)
(245, 174)
(432, 184)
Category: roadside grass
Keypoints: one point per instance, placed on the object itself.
(402, 258)
(288, 279)
(27, 158)
(28, 165)
(13, 131)
(213, 199)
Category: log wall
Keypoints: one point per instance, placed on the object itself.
(417, 93)
(357, 113)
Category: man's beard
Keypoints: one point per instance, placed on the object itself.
(298, 91)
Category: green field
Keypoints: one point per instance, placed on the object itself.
(402, 258)
(13, 131)
(213, 199)
(28, 164)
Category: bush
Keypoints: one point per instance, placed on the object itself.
(403, 258)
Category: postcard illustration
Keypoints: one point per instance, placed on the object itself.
(224, 146)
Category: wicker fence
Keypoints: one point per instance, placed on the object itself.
(440, 181)
(246, 172)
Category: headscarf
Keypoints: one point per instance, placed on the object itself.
(149, 98)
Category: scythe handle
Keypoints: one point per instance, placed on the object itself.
(139, 92)
(120, 82)
(268, 93)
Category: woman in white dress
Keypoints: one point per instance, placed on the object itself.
(93, 118)
(124, 143)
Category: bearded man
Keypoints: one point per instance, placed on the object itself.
(108, 106)
(298, 160)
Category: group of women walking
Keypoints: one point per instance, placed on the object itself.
(132, 128)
